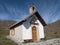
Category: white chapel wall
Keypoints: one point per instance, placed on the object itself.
(18, 34)
(27, 29)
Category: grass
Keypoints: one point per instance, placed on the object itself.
(5, 41)
(48, 37)
(4, 31)
(53, 35)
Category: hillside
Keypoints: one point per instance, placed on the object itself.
(52, 30)
(4, 30)
(4, 26)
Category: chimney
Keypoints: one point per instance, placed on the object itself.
(32, 9)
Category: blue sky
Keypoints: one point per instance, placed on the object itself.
(19, 9)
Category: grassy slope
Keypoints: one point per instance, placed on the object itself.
(4, 31)
(4, 26)
(5, 41)
(52, 30)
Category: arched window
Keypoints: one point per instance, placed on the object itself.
(13, 32)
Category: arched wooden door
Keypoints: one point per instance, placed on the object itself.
(34, 33)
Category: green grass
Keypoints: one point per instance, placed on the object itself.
(48, 37)
(5, 41)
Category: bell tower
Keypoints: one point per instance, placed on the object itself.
(32, 9)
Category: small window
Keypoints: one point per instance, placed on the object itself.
(13, 32)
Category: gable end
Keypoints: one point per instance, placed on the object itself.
(40, 18)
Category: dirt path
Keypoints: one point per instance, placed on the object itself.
(48, 42)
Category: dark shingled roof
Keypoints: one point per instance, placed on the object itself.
(21, 22)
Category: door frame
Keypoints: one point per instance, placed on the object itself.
(34, 33)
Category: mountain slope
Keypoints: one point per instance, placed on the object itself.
(4, 30)
(53, 30)
(4, 26)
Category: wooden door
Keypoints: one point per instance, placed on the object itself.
(34, 33)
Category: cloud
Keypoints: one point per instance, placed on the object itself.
(18, 9)
(12, 12)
